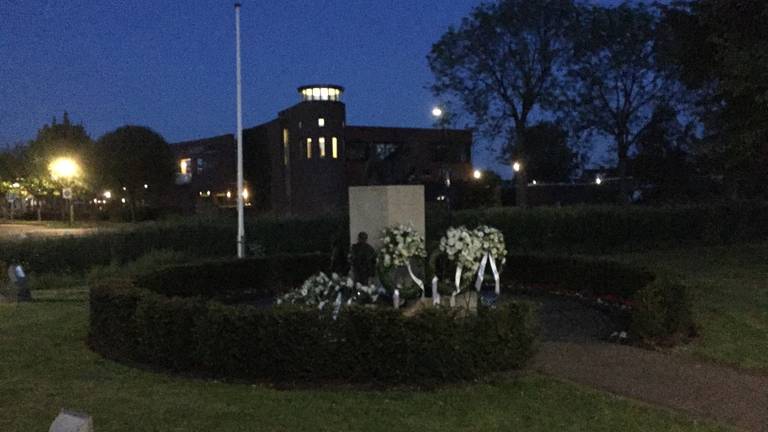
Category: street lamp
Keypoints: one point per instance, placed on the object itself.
(477, 174)
(520, 183)
(66, 169)
(437, 112)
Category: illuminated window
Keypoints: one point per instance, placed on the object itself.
(309, 148)
(286, 147)
(324, 93)
(321, 122)
(321, 142)
(316, 93)
(335, 148)
(185, 166)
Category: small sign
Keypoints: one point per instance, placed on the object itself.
(67, 193)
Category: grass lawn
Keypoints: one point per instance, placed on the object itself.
(729, 291)
(44, 366)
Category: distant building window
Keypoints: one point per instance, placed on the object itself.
(321, 143)
(200, 165)
(309, 148)
(385, 150)
(321, 122)
(185, 166)
(335, 148)
(286, 147)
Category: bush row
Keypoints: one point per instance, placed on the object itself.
(594, 229)
(601, 229)
(660, 307)
(289, 344)
(196, 238)
(224, 278)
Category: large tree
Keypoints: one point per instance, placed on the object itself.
(617, 82)
(131, 157)
(719, 48)
(663, 157)
(502, 63)
(545, 153)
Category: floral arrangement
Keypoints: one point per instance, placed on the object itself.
(321, 290)
(492, 242)
(466, 249)
(400, 245)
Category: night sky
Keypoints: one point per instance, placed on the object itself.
(170, 65)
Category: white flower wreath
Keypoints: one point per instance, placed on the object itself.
(399, 245)
(471, 251)
(321, 290)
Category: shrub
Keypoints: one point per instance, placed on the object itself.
(235, 278)
(661, 309)
(609, 228)
(130, 321)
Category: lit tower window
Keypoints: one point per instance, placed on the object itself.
(309, 148)
(335, 147)
(321, 142)
(321, 92)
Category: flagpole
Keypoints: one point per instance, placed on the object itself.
(240, 198)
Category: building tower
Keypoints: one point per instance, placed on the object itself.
(313, 174)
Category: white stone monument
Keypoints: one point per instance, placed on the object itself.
(373, 208)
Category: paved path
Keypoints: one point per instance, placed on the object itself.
(719, 393)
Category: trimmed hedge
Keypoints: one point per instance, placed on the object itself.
(223, 278)
(601, 229)
(580, 229)
(194, 237)
(660, 307)
(134, 322)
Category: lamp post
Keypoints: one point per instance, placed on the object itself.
(438, 114)
(521, 185)
(66, 169)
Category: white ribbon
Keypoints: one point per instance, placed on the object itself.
(457, 281)
(336, 306)
(396, 299)
(488, 258)
(435, 293)
(416, 280)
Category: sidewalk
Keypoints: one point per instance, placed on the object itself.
(705, 390)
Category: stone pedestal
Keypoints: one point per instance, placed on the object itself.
(373, 208)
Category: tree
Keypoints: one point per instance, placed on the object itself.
(662, 157)
(54, 141)
(502, 62)
(131, 157)
(617, 81)
(719, 49)
(545, 153)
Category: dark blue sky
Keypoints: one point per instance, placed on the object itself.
(170, 65)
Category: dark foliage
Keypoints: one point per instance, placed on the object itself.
(225, 278)
(606, 229)
(291, 344)
(660, 309)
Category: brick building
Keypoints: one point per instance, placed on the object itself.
(303, 161)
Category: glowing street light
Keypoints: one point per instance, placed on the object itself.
(598, 181)
(64, 168)
(437, 112)
(517, 166)
(107, 194)
(477, 174)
